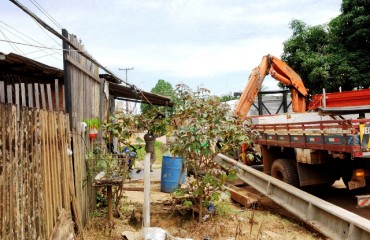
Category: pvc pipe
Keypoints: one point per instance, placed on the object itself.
(146, 207)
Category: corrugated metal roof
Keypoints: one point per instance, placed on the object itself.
(14, 63)
(18, 65)
(127, 93)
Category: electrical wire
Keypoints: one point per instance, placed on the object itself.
(37, 5)
(41, 27)
(23, 39)
(11, 43)
(14, 29)
(32, 45)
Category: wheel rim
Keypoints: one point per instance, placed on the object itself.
(279, 175)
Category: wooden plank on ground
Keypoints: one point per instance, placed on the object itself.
(63, 228)
(242, 196)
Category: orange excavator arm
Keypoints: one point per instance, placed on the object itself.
(281, 72)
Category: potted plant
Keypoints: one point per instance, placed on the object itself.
(93, 125)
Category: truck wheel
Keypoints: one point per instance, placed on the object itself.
(286, 171)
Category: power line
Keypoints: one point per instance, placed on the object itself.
(31, 45)
(10, 43)
(14, 29)
(36, 4)
(66, 40)
(13, 33)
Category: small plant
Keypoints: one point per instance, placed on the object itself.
(93, 124)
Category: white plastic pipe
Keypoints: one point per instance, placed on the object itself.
(146, 207)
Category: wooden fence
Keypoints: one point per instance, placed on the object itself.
(43, 96)
(36, 175)
(86, 97)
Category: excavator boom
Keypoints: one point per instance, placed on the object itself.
(281, 72)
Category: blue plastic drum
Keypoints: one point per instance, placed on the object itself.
(171, 170)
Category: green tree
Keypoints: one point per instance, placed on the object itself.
(350, 44)
(305, 52)
(334, 55)
(163, 88)
(203, 127)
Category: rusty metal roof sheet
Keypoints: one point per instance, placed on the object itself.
(129, 93)
(14, 63)
(17, 64)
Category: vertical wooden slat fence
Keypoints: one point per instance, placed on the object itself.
(83, 101)
(32, 95)
(35, 171)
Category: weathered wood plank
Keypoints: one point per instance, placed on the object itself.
(64, 98)
(23, 92)
(83, 69)
(9, 93)
(50, 100)
(2, 92)
(12, 172)
(17, 99)
(57, 161)
(43, 98)
(30, 95)
(4, 196)
(22, 151)
(46, 172)
(18, 169)
(3, 112)
(37, 95)
(63, 228)
(56, 89)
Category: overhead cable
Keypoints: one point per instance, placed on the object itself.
(53, 31)
(36, 4)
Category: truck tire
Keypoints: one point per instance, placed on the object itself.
(286, 171)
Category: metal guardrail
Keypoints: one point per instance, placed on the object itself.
(332, 221)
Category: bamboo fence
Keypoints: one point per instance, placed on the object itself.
(36, 174)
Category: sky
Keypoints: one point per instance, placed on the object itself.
(201, 43)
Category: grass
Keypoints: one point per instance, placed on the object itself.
(158, 152)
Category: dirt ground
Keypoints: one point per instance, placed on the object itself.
(231, 221)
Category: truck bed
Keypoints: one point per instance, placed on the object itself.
(345, 135)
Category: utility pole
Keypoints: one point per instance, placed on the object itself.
(126, 69)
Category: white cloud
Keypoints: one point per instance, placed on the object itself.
(197, 41)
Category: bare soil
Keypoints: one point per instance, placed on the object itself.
(231, 221)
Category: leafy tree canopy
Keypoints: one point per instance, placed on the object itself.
(333, 55)
(163, 88)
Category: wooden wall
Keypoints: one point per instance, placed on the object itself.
(36, 179)
(85, 99)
